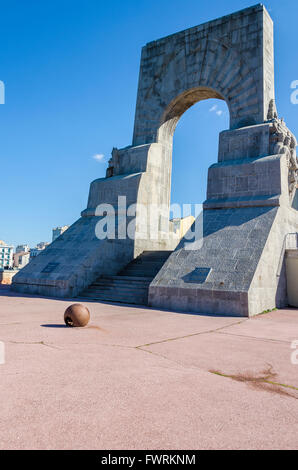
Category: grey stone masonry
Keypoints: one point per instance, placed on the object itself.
(249, 182)
(247, 142)
(233, 242)
(71, 262)
(230, 58)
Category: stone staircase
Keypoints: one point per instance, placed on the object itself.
(132, 283)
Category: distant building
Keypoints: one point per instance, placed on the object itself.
(181, 226)
(21, 259)
(6, 256)
(58, 231)
(34, 252)
(39, 247)
(42, 245)
(22, 249)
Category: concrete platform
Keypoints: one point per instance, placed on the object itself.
(139, 378)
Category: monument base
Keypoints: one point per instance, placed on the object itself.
(238, 271)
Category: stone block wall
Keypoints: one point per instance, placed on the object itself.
(229, 58)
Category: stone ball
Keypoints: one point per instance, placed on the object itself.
(76, 315)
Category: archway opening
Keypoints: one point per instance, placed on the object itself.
(195, 148)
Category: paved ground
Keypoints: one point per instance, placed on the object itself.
(138, 378)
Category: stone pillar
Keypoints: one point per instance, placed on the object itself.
(246, 218)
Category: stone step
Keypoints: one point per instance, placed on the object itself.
(117, 288)
(148, 266)
(131, 284)
(151, 259)
(118, 298)
(136, 285)
(121, 285)
(128, 278)
(158, 254)
(125, 280)
(104, 287)
(111, 297)
(140, 262)
(138, 266)
(141, 270)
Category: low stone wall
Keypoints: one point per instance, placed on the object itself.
(6, 276)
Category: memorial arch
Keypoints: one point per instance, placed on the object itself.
(239, 269)
(172, 84)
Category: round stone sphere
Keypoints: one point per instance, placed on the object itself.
(76, 315)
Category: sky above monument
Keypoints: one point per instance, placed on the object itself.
(70, 70)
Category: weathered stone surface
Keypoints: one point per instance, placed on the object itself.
(247, 180)
(75, 257)
(230, 58)
(247, 142)
(232, 248)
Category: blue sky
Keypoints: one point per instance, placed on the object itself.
(70, 68)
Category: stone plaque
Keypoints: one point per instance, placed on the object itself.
(50, 267)
(198, 275)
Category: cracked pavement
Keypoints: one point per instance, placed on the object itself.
(139, 378)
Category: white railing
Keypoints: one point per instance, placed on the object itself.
(290, 243)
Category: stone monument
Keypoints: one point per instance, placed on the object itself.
(239, 269)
